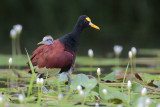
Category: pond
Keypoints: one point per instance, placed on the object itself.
(18, 88)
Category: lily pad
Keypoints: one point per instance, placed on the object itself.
(136, 87)
(80, 79)
(110, 77)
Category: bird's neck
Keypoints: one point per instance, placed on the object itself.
(71, 40)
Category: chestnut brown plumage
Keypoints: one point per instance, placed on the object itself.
(59, 55)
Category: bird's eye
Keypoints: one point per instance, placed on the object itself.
(85, 21)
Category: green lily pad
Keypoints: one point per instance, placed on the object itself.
(136, 87)
(110, 77)
(80, 79)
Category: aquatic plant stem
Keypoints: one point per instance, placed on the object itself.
(18, 44)
(83, 100)
(30, 86)
(129, 96)
(90, 72)
(99, 79)
(8, 79)
(39, 93)
(125, 76)
(132, 72)
(13, 47)
(134, 63)
(118, 61)
(33, 75)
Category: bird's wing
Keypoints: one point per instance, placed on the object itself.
(52, 56)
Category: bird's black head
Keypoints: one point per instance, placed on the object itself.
(71, 39)
(84, 21)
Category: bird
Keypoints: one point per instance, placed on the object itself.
(57, 56)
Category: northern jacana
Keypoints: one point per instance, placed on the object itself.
(57, 56)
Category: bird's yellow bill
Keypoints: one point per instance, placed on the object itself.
(91, 24)
(88, 19)
(40, 43)
(94, 26)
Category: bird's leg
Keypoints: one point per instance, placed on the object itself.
(38, 75)
(44, 88)
(69, 73)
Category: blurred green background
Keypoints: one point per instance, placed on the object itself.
(124, 22)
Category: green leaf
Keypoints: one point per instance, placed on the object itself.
(80, 79)
(30, 63)
(157, 83)
(111, 77)
(86, 69)
(112, 93)
(148, 77)
(90, 84)
(109, 89)
(136, 87)
(117, 95)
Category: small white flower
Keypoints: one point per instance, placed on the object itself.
(144, 92)
(140, 104)
(10, 61)
(119, 105)
(41, 81)
(158, 105)
(130, 55)
(98, 71)
(17, 28)
(21, 98)
(134, 51)
(60, 96)
(117, 49)
(13, 33)
(105, 92)
(129, 84)
(148, 101)
(81, 93)
(90, 53)
(79, 88)
(1, 99)
(96, 105)
(38, 80)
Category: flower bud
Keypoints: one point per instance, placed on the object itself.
(79, 88)
(38, 80)
(130, 55)
(148, 102)
(90, 53)
(129, 84)
(21, 98)
(81, 93)
(13, 33)
(105, 92)
(17, 28)
(140, 104)
(96, 105)
(134, 51)
(119, 105)
(144, 92)
(98, 71)
(41, 81)
(117, 49)
(10, 61)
